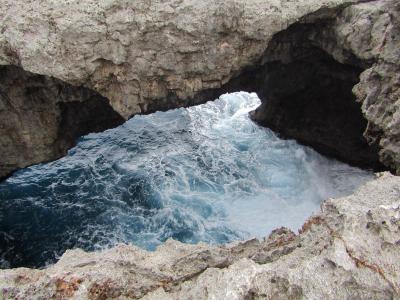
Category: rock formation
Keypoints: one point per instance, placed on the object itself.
(70, 67)
(155, 55)
(350, 250)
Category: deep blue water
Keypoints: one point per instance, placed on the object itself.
(205, 173)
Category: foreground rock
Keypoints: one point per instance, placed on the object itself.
(350, 250)
(155, 55)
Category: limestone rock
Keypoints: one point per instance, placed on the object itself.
(140, 55)
(350, 250)
(371, 32)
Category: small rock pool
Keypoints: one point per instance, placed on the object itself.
(205, 173)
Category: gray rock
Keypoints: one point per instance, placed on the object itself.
(139, 53)
(63, 60)
(141, 56)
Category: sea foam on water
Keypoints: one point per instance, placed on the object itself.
(205, 173)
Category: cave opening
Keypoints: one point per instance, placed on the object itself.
(307, 94)
(41, 117)
(310, 99)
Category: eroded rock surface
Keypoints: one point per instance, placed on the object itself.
(144, 55)
(63, 60)
(155, 55)
(350, 250)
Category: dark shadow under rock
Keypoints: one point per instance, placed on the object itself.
(311, 100)
(307, 95)
(41, 117)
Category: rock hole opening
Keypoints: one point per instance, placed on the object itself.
(41, 117)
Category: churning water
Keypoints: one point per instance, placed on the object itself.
(206, 173)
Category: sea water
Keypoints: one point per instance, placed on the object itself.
(205, 173)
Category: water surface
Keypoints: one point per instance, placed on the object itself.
(206, 173)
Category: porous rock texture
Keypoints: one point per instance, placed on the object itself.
(155, 55)
(143, 55)
(349, 250)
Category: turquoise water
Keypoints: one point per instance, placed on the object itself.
(206, 173)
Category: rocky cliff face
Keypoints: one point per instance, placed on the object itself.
(145, 56)
(350, 250)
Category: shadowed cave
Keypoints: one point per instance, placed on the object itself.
(41, 117)
(310, 100)
(307, 95)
